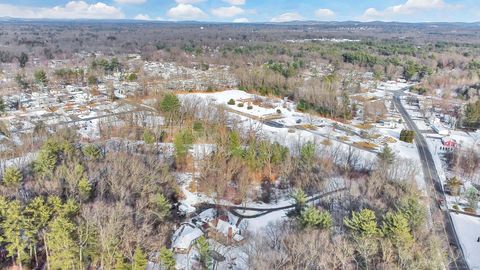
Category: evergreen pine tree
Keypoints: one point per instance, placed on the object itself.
(63, 249)
(45, 162)
(182, 142)
(169, 105)
(40, 77)
(312, 217)
(414, 211)
(198, 128)
(15, 231)
(307, 153)
(139, 261)
(162, 206)
(386, 156)
(204, 252)
(12, 177)
(363, 223)
(300, 199)
(38, 213)
(120, 262)
(235, 144)
(395, 227)
(92, 151)
(279, 153)
(263, 153)
(167, 259)
(84, 189)
(250, 157)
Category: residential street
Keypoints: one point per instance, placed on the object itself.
(435, 188)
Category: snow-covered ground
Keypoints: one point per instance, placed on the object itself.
(468, 232)
(18, 162)
(466, 140)
(89, 129)
(313, 128)
(392, 85)
(422, 125)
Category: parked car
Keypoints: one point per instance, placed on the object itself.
(442, 205)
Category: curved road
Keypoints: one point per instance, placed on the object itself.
(233, 209)
(435, 185)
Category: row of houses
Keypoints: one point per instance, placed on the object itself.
(67, 105)
(177, 77)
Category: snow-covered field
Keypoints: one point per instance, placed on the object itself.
(316, 129)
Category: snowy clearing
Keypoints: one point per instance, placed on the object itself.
(468, 231)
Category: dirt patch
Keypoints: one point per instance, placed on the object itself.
(366, 145)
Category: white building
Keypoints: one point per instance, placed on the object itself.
(185, 237)
(438, 127)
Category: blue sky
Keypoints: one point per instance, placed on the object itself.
(248, 10)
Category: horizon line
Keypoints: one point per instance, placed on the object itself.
(4, 18)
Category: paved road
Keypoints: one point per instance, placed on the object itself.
(263, 210)
(436, 191)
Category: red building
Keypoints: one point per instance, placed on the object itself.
(449, 142)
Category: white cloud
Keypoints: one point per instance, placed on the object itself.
(188, 1)
(186, 12)
(371, 14)
(143, 17)
(235, 2)
(241, 20)
(324, 13)
(131, 2)
(287, 17)
(408, 8)
(227, 11)
(71, 10)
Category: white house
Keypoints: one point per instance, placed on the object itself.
(185, 237)
(440, 130)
